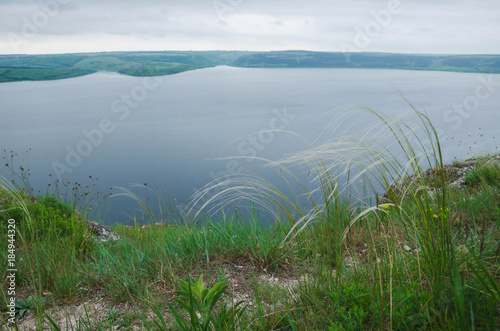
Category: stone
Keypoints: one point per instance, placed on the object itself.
(455, 177)
(101, 233)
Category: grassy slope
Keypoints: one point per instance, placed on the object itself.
(422, 261)
(460, 63)
(46, 67)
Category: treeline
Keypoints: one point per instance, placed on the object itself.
(47, 67)
(304, 59)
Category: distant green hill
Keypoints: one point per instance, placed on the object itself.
(46, 67)
(304, 59)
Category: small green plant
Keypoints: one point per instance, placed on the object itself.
(473, 177)
(25, 306)
(200, 302)
(111, 320)
(485, 172)
(49, 212)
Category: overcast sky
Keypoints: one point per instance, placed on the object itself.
(404, 26)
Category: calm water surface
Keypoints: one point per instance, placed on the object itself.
(167, 131)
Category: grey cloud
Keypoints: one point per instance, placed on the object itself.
(425, 26)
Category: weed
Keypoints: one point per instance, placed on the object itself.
(199, 304)
(25, 306)
(488, 174)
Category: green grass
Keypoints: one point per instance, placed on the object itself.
(418, 260)
(487, 172)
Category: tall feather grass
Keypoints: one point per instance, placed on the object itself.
(348, 174)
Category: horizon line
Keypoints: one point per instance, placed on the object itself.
(248, 51)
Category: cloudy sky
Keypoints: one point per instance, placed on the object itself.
(405, 26)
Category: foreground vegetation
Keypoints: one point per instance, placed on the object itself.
(423, 256)
(47, 67)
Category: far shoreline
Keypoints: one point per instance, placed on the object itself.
(19, 67)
